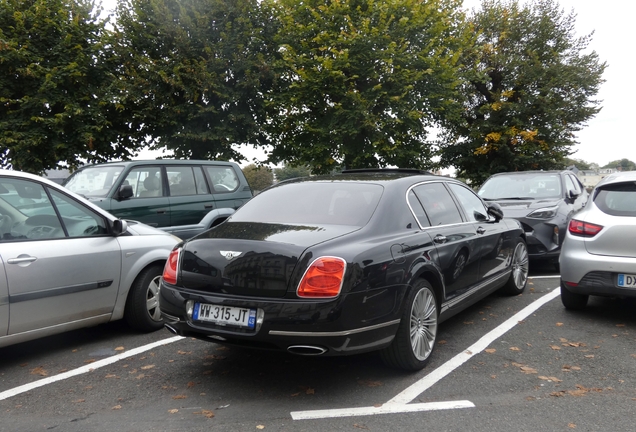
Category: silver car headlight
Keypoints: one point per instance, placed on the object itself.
(544, 213)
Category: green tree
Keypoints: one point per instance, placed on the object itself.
(258, 177)
(55, 78)
(193, 73)
(622, 164)
(288, 172)
(529, 85)
(360, 81)
(579, 163)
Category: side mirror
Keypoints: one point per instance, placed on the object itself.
(495, 211)
(124, 192)
(572, 194)
(119, 227)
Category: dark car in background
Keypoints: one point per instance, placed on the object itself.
(599, 256)
(183, 197)
(543, 201)
(344, 264)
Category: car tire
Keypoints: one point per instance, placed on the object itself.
(573, 301)
(520, 264)
(416, 335)
(142, 305)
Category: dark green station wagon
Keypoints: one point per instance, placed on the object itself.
(183, 197)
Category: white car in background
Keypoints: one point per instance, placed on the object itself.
(598, 256)
(67, 264)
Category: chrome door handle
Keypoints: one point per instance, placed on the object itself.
(439, 239)
(481, 230)
(21, 259)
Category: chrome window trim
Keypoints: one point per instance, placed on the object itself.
(334, 334)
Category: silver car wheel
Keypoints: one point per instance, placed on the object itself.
(152, 299)
(423, 324)
(520, 265)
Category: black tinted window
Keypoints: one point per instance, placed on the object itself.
(438, 204)
(617, 199)
(474, 207)
(418, 210)
(313, 203)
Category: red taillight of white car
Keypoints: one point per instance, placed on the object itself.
(170, 269)
(583, 229)
(323, 278)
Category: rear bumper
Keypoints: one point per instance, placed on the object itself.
(594, 274)
(328, 328)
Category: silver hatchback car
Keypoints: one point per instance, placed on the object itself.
(66, 264)
(598, 255)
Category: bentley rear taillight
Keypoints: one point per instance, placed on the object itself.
(583, 229)
(170, 269)
(323, 278)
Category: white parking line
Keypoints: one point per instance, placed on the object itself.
(84, 369)
(400, 403)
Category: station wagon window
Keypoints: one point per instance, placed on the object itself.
(146, 181)
(26, 213)
(223, 178)
(438, 204)
(94, 182)
(474, 207)
(184, 180)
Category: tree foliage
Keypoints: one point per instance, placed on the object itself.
(288, 172)
(622, 165)
(359, 81)
(529, 84)
(54, 82)
(258, 177)
(578, 163)
(193, 73)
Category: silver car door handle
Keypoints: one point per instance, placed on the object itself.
(481, 230)
(440, 239)
(21, 259)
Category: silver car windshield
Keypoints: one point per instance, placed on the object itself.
(94, 182)
(521, 186)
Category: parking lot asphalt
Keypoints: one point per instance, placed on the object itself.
(491, 371)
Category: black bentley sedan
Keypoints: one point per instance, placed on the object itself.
(344, 264)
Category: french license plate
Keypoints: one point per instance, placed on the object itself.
(224, 315)
(627, 281)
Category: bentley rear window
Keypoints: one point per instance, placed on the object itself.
(313, 203)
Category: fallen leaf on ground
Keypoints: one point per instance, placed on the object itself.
(571, 425)
(39, 371)
(620, 325)
(515, 349)
(80, 400)
(550, 378)
(111, 376)
(147, 367)
(555, 347)
(89, 361)
(441, 342)
(490, 350)
(589, 356)
(191, 384)
(206, 413)
(184, 352)
(173, 411)
(370, 383)
(260, 427)
(120, 348)
(116, 407)
(179, 397)
(559, 324)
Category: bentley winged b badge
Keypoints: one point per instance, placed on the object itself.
(230, 254)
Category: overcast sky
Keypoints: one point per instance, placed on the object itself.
(606, 137)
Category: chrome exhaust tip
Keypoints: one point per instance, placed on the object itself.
(307, 350)
(170, 328)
